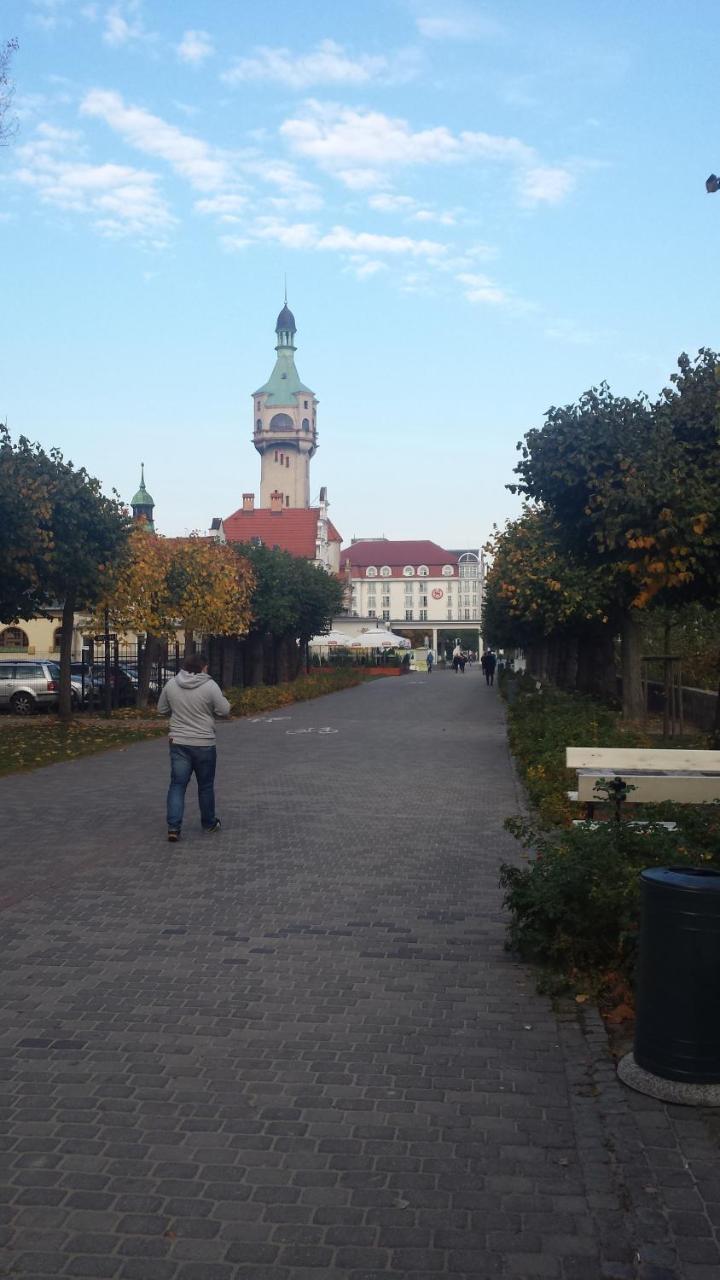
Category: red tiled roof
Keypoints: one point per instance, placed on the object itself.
(293, 529)
(396, 554)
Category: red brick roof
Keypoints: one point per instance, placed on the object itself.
(293, 529)
(396, 554)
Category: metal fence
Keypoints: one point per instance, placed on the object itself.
(106, 676)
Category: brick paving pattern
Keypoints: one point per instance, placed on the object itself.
(298, 1050)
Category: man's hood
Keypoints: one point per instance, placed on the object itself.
(191, 680)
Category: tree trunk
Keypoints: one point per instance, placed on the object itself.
(269, 659)
(229, 645)
(254, 658)
(189, 641)
(66, 635)
(596, 675)
(285, 658)
(568, 665)
(632, 699)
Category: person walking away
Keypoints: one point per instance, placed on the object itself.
(193, 701)
(461, 661)
(490, 664)
(456, 655)
(429, 659)
(483, 664)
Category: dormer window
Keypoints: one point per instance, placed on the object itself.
(385, 571)
(371, 571)
(423, 571)
(448, 571)
(408, 571)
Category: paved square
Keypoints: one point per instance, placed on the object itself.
(298, 1049)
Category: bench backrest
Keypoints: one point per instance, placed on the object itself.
(642, 758)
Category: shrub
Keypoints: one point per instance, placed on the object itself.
(576, 906)
(259, 698)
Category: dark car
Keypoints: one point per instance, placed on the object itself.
(93, 677)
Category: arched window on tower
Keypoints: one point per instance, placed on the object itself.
(258, 424)
(287, 500)
(281, 422)
(305, 424)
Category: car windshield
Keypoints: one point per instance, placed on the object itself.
(54, 669)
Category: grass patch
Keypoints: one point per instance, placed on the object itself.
(43, 739)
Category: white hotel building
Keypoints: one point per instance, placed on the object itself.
(416, 588)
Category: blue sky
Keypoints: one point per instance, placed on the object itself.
(481, 209)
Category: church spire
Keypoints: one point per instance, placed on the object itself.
(142, 504)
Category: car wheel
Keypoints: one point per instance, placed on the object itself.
(22, 704)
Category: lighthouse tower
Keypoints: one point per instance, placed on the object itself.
(285, 431)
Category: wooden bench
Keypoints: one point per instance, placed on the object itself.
(684, 777)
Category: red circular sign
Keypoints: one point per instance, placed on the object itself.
(437, 593)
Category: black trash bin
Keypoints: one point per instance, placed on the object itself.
(677, 1033)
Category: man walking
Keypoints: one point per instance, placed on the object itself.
(489, 666)
(193, 701)
(429, 659)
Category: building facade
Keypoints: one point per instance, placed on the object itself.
(418, 589)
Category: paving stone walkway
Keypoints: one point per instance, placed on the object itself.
(298, 1050)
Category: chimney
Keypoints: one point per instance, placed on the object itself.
(276, 500)
(248, 502)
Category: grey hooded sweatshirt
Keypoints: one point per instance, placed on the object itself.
(192, 702)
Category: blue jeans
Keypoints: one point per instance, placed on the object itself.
(184, 762)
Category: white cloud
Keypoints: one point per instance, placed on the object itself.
(386, 202)
(363, 270)
(195, 47)
(480, 288)
(459, 25)
(122, 201)
(225, 207)
(359, 147)
(291, 235)
(543, 184)
(344, 239)
(329, 63)
(205, 167)
(124, 24)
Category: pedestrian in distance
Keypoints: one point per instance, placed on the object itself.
(429, 659)
(461, 661)
(456, 655)
(489, 667)
(193, 701)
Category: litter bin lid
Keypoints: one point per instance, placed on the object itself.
(704, 879)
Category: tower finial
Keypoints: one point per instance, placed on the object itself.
(285, 288)
(142, 474)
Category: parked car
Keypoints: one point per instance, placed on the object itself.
(93, 678)
(27, 685)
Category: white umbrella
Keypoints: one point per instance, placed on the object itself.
(381, 639)
(333, 640)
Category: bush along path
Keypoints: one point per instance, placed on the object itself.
(575, 901)
(31, 743)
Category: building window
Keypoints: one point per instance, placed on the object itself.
(466, 614)
(305, 423)
(448, 571)
(423, 601)
(13, 638)
(385, 571)
(371, 571)
(423, 615)
(276, 455)
(57, 637)
(386, 602)
(287, 500)
(258, 424)
(423, 571)
(386, 615)
(371, 613)
(287, 460)
(408, 571)
(469, 565)
(305, 405)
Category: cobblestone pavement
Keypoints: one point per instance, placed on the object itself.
(297, 1050)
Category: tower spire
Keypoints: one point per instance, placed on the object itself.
(142, 504)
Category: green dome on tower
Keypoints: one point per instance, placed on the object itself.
(142, 504)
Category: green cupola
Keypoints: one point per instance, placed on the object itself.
(142, 504)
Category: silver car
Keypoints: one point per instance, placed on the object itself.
(27, 684)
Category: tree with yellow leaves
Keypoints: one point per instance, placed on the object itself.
(167, 584)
